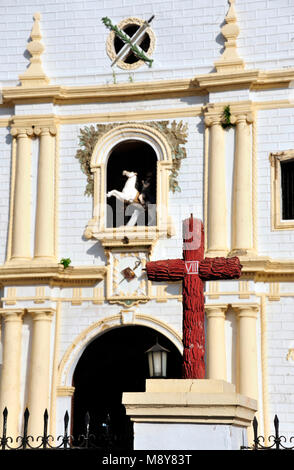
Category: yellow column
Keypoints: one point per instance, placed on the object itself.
(11, 370)
(39, 378)
(44, 231)
(217, 244)
(248, 372)
(21, 229)
(242, 236)
(248, 378)
(216, 342)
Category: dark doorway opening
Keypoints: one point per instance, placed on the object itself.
(114, 363)
(133, 156)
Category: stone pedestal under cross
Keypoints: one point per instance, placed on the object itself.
(193, 270)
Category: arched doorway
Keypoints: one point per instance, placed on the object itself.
(114, 363)
(134, 156)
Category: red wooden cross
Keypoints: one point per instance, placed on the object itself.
(193, 270)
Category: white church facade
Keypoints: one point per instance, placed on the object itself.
(192, 115)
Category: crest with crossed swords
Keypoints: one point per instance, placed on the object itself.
(131, 43)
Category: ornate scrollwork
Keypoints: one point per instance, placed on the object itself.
(175, 133)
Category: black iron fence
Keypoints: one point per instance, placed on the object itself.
(104, 440)
(275, 441)
(101, 441)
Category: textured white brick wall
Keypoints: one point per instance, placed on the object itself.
(75, 209)
(187, 32)
(280, 333)
(188, 42)
(275, 133)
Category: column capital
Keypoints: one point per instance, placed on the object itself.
(213, 120)
(45, 130)
(12, 314)
(65, 391)
(21, 131)
(246, 117)
(215, 310)
(246, 310)
(41, 314)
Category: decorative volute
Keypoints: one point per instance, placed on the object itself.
(34, 75)
(230, 60)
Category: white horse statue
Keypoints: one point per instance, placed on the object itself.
(129, 194)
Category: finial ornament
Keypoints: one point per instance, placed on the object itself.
(230, 59)
(35, 75)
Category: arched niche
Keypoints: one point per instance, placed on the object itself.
(112, 364)
(119, 137)
(133, 156)
(70, 360)
(76, 348)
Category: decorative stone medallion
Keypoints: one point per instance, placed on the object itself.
(130, 27)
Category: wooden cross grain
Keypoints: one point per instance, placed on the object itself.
(193, 270)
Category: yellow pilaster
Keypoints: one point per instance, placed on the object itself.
(216, 342)
(217, 243)
(11, 371)
(39, 378)
(242, 234)
(248, 383)
(44, 231)
(21, 229)
(248, 372)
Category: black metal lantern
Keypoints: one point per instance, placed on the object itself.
(157, 360)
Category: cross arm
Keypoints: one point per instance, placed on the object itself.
(211, 269)
(166, 270)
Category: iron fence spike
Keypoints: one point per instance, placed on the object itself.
(276, 420)
(255, 432)
(276, 424)
(65, 436)
(4, 428)
(45, 435)
(66, 420)
(26, 419)
(25, 428)
(277, 437)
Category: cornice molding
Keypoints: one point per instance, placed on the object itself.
(138, 115)
(199, 85)
(258, 269)
(102, 93)
(267, 269)
(53, 275)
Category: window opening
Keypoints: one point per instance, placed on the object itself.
(287, 183)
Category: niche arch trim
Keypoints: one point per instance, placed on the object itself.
(138, 235)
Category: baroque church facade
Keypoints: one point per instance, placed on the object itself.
(118, 120)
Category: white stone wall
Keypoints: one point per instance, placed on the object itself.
(188, 42)
(275, 134)
(187, 32)
(280, 333)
